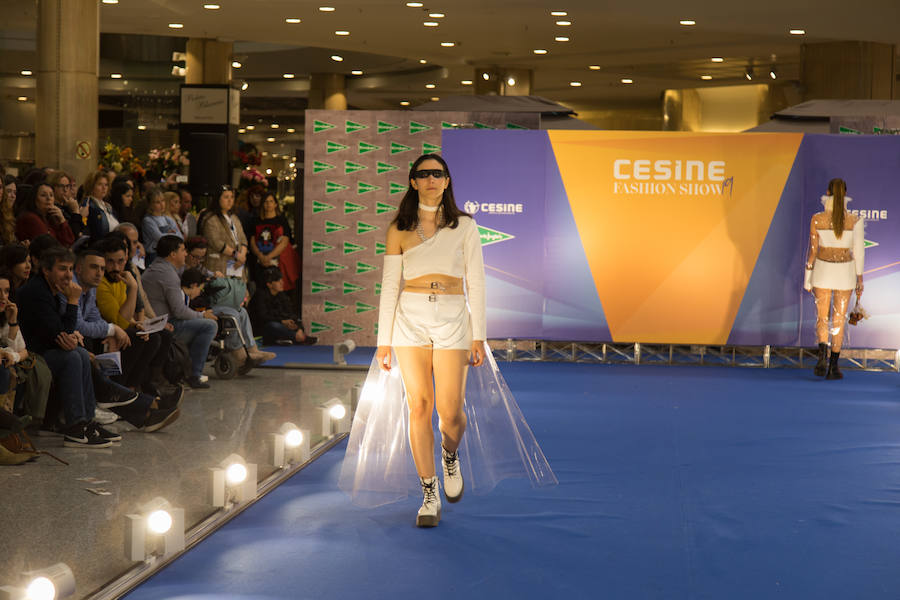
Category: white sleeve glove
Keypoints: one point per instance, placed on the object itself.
(475, 279)
(807, 280)
(859, 245)
(390, 292)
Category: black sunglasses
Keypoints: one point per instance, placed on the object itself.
(425, 173)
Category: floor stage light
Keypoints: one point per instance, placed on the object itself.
(55, 581)
(155, 522)
(290, 445)
(233, 480)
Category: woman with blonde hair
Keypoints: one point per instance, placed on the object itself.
(7, 217)
(101, 216)
(834, 268)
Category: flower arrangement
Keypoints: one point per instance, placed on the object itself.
(251, 177)
(246, 156)
(121, 160)
(163, 162)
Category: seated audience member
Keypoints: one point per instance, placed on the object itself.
(37, 246)
(30, 374)
(226, 297)
(101, 217)
(274, 311)
(137, 256)
(136, 355)
(40, 215)
(54, 337)
(15, 262)
(64, 196)
(7, 216)
(156, 222)
(187, 219)
(121, 198)
(163, 286)
(197, 249)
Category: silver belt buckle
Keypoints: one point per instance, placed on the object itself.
(432, 297)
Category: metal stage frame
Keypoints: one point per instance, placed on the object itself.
(640, 353)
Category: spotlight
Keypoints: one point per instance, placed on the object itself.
(773, 73)
(511, 81)
(156, 520)
(290, 445)
(244, 86)
(749, 73)
(335, 418)
(341, 350)
(56, 581)
(232, 481)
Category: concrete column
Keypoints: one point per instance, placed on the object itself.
(68, 41)
(327, 91)
(208, 61)
(848, 70)
(496, 81)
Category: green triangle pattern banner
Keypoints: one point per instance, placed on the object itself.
(356, 165)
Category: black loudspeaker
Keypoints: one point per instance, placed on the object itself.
(209, 163)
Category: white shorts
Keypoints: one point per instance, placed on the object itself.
(437, 320)
(834, 275)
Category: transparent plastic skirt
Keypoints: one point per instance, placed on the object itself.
(498, 444)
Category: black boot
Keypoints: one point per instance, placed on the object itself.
(834, 372)
(822, 365)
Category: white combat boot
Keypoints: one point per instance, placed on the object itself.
(453, 481)
(430, 513)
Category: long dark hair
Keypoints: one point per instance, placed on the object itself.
(408, 213)
(837, 189)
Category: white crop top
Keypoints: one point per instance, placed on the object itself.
(453, 252)
(853, 239)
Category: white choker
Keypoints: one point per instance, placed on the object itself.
(427, 208)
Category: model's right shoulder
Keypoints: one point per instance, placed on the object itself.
(393, 239)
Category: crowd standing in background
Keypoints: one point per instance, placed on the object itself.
(85, 265)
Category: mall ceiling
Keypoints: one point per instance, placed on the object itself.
(403, 58)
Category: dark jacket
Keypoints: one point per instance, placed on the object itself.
(43, 316)
(267, 307)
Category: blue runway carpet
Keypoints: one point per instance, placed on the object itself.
(676, 483)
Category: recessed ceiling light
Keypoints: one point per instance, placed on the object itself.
(211, 6)
(435, 98)
(466, 82)
(26, 72)
(575, 83)
(486, 76)
(797, 32)
(291, 130)
(292, 20)
(448, 44)
(773, 74)
(337, 58)
(242, 130)
(268, 171)
(561, 39)
(404, 103)
(559, 13)
(115, 76)
(244, 86)
(236, 64)
(422, 61)
(176, 25)
(274, 125)
(110, 1)
(415, 4)
(717, 59)
(341, 32)
(511, 81)
(22, 98)
(264, 153)
(564, 23)
(594, 67)
(270, 139)
(706, 77)
(437, 15)
(326, 8)
(430, 86)
(142, 127)
(251, 127)
(539, 51)
(356, 72)
(687, 22)
(288, 75)
(430, 23)
(628, 80)
(749, 73)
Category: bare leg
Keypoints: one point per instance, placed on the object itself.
(823, 306)
(450, 368)
(839, 317)
(415, 365)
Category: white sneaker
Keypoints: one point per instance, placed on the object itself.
(203, 378)
(104, 417)
(453, 481)
(430, 513)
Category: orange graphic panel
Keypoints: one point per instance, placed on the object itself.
(672, 224)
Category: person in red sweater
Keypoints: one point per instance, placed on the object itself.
(40, 214)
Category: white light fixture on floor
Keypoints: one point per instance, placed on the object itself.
(56, 581)
(290, 445)
(232, 481)
(335, 418)
(341, 350)
(155, 523)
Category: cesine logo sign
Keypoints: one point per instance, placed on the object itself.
(675, 177)
(494, 208)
